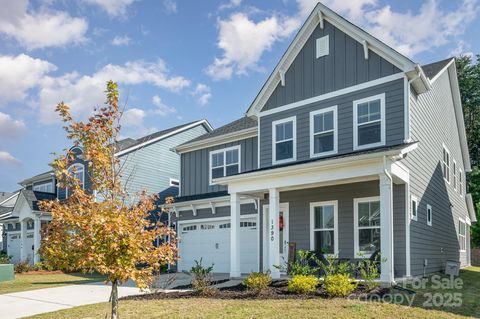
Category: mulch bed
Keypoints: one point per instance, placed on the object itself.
(277, 290)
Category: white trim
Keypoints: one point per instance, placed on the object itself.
(461, 182)
(471, 208)
(455, 175)
(9, 198)
(161, 137)
(461, 220)
(292, 119)
(334, 130)
(407, 111)
(211, 219)
(218, 140)
(285, 207)
(322, 97)
(365, 49)
(429, 222)
(380, 97)
(333, 203)
(432, 80)
(174, 180)
(356, 228)
(414, 199)
(447, 178)
(408, 222)
(224, 151)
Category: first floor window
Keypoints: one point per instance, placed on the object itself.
(224, 162)
(369, 119)
(367, 226)
(323, 131)
(414, 208)
(284, 139)
(429, 215)
(462, 235)
(323, 219)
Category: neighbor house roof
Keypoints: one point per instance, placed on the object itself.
(432, 69)
(33, 197)
(38, 177)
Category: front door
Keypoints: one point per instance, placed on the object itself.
(283, 236)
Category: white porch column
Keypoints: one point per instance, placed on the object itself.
(36, 239)
(273, 233)
(386, 229)
(23, 241)
(234, 235)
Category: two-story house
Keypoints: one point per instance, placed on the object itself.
(147, 163)
(350, 148)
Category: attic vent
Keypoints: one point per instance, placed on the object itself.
(322, 46)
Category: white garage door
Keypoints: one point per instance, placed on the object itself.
(211, 242)
(13, 247)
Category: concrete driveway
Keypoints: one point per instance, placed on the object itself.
(28, 303)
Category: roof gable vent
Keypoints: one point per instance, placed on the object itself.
(323, 46)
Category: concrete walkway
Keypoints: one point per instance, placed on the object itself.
(33, 302)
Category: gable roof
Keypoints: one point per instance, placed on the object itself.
(38, 177)
(33, 197)
(316, 18)
(433, 69)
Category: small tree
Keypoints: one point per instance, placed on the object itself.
(111, 236)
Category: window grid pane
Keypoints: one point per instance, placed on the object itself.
(225, 163)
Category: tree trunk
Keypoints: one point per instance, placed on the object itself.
(114, 299)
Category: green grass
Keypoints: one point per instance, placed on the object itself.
(24, 282)
(302, 309)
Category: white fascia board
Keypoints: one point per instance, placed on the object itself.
(206, 203)
(161, 137)
(471, 208)
(217, 140)
(39, 178)
(9, 198)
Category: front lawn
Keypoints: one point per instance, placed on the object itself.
(26, 281)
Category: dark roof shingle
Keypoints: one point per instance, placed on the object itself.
(432, 69)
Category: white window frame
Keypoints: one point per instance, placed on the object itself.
(292, 119)
(82, 166)
(429, 208)
(174, 180)
(413, 199)
(462, 237)
(455, 181)
(356, 228)
(333, 203)
(335, 131)
(447, 165)
(461, 178)
(380, 97)
(224, 151)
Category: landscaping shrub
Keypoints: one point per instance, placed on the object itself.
(22, 266)
(334, 266)
(339, 285)
(303, 284)
(369, 272)
(202, 277)
(302, 264)
(41, 265)
(4, 258)
(258, 282)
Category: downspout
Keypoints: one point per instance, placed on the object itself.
(387, 173)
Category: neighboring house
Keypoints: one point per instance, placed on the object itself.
(350, 148)
(148, 163)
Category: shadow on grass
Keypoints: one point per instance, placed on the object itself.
(83, 279)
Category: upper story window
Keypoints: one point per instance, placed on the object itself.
(45, 187)
(78, 171)
(462, 235)
(369, 122)
(323, 132)
(446, 164)
(284, 140)
(429, 215)
(224, 162)
(454, 175)
(460, 182)
(414, 208)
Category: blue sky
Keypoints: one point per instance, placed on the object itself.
(175, 61)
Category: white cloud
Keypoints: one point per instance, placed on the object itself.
(170, 6)
(41, 29)
(243, 42)
(230, 4)
(462, 49)
(19, 74)
(121, 40)
(7, 158)
(203, 93)
(10, 128)
(133, 117)
(351, 9)
(161, 108)
(114, 8)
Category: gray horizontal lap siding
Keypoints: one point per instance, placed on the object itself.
(433, 123)
(394, 106)
(344, 66)
(195, 166)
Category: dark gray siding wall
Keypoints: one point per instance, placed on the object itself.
(433, 123)
(195, 166)
(345, 66)
(394, 109)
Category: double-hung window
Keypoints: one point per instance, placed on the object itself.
(413, 207)
(284, 140)
(369, 122)
(460, 182)
(77, 171)
(45, 187)
(323, 132)
(324, 227)
(462, 235)
(446, 164)
(454, 175)
(224, 162)
(429, 215)
(367, 226)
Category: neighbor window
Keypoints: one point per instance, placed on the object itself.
(429, 215)
(446, 164)
(78, 172)
(45, 187)
(284, 140)
(323, 227)
(454, 175)
(462, 235)
(369, 122)
(224, 162)
(367, 226)
(414, 208)
(460, 182)
(174, 182)
(323, 132)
